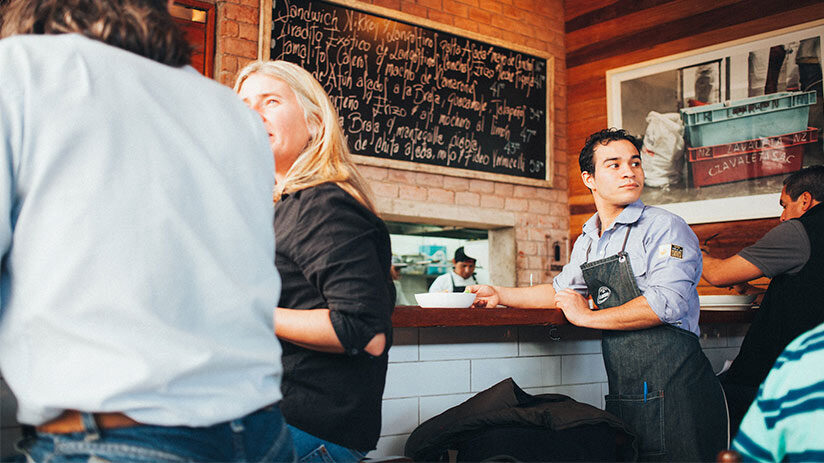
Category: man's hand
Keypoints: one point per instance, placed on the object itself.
(746, 288)
(487, 296)
(575, 307)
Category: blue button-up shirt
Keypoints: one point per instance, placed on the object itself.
(665, 257)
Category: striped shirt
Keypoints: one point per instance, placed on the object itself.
(786, 420)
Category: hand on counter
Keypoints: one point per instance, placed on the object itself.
(575, 307)
(487, 296)
(746, 288)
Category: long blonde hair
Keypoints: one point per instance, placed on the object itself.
(326, 158)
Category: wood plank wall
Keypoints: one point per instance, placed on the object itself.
(607, 34)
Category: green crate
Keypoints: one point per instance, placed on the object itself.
(761, 116)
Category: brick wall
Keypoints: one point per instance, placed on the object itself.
(238, 23)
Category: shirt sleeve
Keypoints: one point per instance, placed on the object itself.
(673, 267)
(339, 255)
(440, 284)
(571, 276)
(784, 249)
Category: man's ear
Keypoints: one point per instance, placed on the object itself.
(588, 179)
(806, 201)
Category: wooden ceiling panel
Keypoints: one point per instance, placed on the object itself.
(632, 22)
(575, 8)
(707, 21)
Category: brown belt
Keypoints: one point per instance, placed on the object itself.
(71, 421)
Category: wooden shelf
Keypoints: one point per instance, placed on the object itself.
(417, 317)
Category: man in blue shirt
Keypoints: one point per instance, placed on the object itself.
(138, 280)
(641, 265)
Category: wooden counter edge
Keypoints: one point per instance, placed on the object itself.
(411, 316)
(414, 316)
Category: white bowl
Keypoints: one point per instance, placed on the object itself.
(726, 299)
(450, 300)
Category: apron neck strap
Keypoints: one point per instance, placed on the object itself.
(623, 245)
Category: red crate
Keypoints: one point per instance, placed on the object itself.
(760, 157)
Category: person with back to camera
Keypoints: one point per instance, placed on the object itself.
(137, 281)
(792, 254)
(333, 254)
(641, 265)
(457, 279)
(784, 422)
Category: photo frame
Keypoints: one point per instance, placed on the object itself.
(723, 163)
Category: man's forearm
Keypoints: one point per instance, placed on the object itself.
(633, 315)
(730, 271)
(534, 297)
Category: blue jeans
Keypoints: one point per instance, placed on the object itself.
(311, 449)
(261, 436)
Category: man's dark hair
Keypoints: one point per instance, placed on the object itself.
(460, 256)
(144, 27)
(809, 179)
(602, 137)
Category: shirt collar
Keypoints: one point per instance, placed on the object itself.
(629, 215)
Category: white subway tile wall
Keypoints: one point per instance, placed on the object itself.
(580, 369)
(413, 379)
(468, 343)
(399, 416)
(437, 404)
(404, 345)
(527, 372)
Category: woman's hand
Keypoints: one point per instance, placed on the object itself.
(575, 307)
(487, 296)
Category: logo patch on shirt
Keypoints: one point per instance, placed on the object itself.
(671, 250)
(676, 251)
(603, 294)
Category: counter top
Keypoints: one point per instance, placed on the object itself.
(410, 316)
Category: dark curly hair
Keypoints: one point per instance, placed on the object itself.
(144, 27)
(602, 137)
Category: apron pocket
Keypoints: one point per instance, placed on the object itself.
(644, 417)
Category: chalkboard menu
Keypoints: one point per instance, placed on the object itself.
(414, 95)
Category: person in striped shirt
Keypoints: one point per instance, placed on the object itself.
(785, 421)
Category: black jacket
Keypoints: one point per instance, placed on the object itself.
(507, 423)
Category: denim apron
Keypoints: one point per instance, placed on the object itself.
(456, 288)
(660, 382)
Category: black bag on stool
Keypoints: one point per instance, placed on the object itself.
(504, 423)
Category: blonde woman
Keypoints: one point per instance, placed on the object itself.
(333, 254)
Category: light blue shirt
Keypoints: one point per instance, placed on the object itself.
(136, 235)
(665, 257)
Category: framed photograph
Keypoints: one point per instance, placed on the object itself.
(724, 125)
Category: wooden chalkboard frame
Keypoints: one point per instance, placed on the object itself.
(264, 50)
